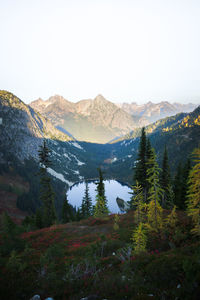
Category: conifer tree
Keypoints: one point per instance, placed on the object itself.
(185, 183)
(177, 187)
(149, 153)
(137, 203)
(148, 149)
(171, 219)
(155, 194)
(165, 182)
(101, 208)
(140, 174)
(139, 239)
(46, 190)
(38, 218)
(193, 201)
(78, 214)
(66, 211)
(86, 207)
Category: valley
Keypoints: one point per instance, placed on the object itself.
(89, 245)
(23, 130)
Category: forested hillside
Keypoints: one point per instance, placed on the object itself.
(150, 251)
(23, 131)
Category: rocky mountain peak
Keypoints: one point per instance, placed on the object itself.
(99, 98)
(24, 127)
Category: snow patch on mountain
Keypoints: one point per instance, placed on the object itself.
(67, 156)
(80, 163)
(75, 172)
(59, 176)
(75, 144)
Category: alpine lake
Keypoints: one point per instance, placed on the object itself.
(117, 194)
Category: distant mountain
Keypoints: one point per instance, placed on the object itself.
(155, 111)
(22, 130)
(97, 120)
(180, 133)
(100, 120)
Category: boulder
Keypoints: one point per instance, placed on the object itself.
(122, 204)
(36, 297)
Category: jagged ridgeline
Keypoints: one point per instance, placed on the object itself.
(22, 130)
(180, 134)
(99, 120)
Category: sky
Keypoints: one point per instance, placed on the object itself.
(126, 50)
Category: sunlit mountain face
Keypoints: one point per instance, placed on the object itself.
(99, 120)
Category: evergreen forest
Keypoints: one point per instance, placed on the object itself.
(150, 252)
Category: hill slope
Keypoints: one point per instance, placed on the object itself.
(75, 260)
(180, 133)
(22, 130)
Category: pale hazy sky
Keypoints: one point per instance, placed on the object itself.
(127, 50)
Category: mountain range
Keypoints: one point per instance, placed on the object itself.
(22, 131)
(97, 120)
(100, 120)
(155, 111)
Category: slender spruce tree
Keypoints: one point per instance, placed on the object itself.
(193, 201)
(165, 182)
(86, 207)
(185, 183)
(149, 153)
(177, 187)
(154, 214)
(140, 174)
(137, 203)
(66, 211)
(101, 207)
(148, 149)
(38, 218)
(46, 191)
(139, 238)
(78, 214)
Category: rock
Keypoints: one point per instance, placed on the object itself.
(90, 297)
(36, 297)
(122, 204)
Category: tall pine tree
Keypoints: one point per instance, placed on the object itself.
(155, 194)
(137, 203)
(165, 182)
(67, 214)
(46, 191)
(177, 187)
(86, 207)
(101, 208)
(140, 174)
(185, 184)
(193, 202)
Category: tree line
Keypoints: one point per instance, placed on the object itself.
(46, 215)
(155, 191)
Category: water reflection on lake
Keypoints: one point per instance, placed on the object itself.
(113, 189)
